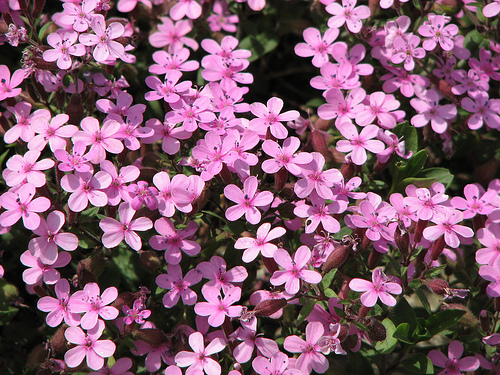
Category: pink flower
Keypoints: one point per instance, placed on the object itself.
(78, 160)
(270, 117)
(63, 46)
(173, 35)
(39, 271)
(436, 32)
(169, 90)
(310, 357)
(215, 271)
(277, 364)
(177, 60)
(94, 304)
(492, 9)
(103, 39)
(178, 286)
(27, 169)
(247, 334)
(343, 109)
(320, 212)
(173, 241)
(476, 202)
(86, 187)
(190, 113)
(58, 307)
(54, 132)
(101, 139)
(200, 360)
(314, 178)
(380, 287)
(424, 203)
(137, 313)
(483, 110)
(381, 107)
(78, 16)
(261, 243)
(123, 106)
(45, 246)
(22, 205)
(347, 13)
(399, 78)
(8, 84)
(119, 368)
(294, 270)
(375, 219)
(169, 133)
(117, 190)
(247, 201)
(115, 231)
(452, 364)
(88, 345)
(489, 237)
(22, 129)
(140, 194)
(428, 109)
(406, 51)
(447, 225)
(316, 45)
(284, 156)
(357, 144)
(218, 307)
(491, 273)
(189, 8)
(222, 19)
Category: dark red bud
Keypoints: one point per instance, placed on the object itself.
(37, 8)
(58, 341)
(270, 264)
(152, 336)
(484, 319)
(150, 261)
(344, 289)
(225, 174)
(496, 303)
(438, 286)
(421, 225)
(344, 330)
(75, 109)
(336, 258)
(402, 239)
(269, 307)
(37, 355)
(347, 170)
(319, 144)
(437, 248)
(280, 179)
(376, 330)
(373, 259)
(89, 269)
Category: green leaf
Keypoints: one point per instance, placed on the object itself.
(403, 313)
(259, 45)
(404, 333)
(395, 265)
(305, 311)
(43, 30)
(330, 293)
(327, 279)
(439, 174)
(414, 164)
(418, 364)
(418, 182)
(126, 261)
(409, 134)
(423, 298)
(473, 39)
(388, 345)
(443, 320)
(315, 103)
(415, 283)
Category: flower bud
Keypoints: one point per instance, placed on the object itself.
(376, 330)
(323, 125)
(89, 269)
(402, 239)
(496, 303)
(347, 170)
(343, 331)
(336, 258)
(270, 264)
(373, 259)
(437, 248)
(37, 8)
(438, 286)
(4, 124)
(152, 336)
(421, 225)
(280, 179)
(225, 174)
(58, 341)
(319, 143)
(37, 355)
(75, 109)
(468, 319)
(150, 261)
(269, 306)
(484, 319)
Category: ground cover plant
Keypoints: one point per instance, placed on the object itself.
(249, 187)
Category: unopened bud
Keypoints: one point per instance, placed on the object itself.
(468, 319)
(344, 289)
(225, 174)
(323, 125)
(270, 264)
(402, 239)
(23, 4)
(376, 330)
(269, 306)
(58, 341)
(124, 299)
(37, 8)
(373, 259)
(75, 109)
(343, 331)
(347, 170)
(437, 248)
(152, 336)
(89, 269)
(4, 123)
(438, 286)
(37, 355)
(484, 319)
(200, 202)
(319, 143)
(496, 303)
(280, 179)
(150, 261)
(421, 225)
(336, 258)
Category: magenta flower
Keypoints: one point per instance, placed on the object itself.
(340, 76)
(169, 133)
(170, 90)
(103, 39)
(294, 270)
(343, 109)
(284, 156)
(218, 307)
(261, 243)
(117, 190)
(63, 44)
(447, 225)
(453, 364)
(78, 16)
(115, 231)
(94, 304)
(489, 237)
(191, 113)
(8, 84)
(215, 271)
(86, 187)
(428, 109)
(173, 241)
(78, 160)
(22, 205)
(277, 364)
(358, 143)
(314, 178)
(22, 129)
(120, 367)
(199, 360)
(177, 60)
(247, 334)
(483, 110)
(320, 212)
(406, 50)
(45, 246)
(58, 307)
(401, 79)
(379, 288)
(492, 274)
(375, 219)
(140, 194)
(54, 132)
(381, 107)
(310, 357)
(100, 139)
(320, 47)
(247, 201)
(178, 286)
(173, 35)
(436, 32)
(40, 272)
(269, 117)
(26, 168)
(476, 202)
(424, 203)
(88, 346)
(137, 313)
(347, 13)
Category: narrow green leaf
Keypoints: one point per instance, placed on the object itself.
(403, 313)
(404, 333)
(305, 311)
(327, 279)
(443, 320)
(418, 364)
(43, 30)
(423, 298)
(409, 134)
(439, 174)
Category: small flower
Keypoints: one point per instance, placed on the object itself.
(358, 143)
(347, 13)
(8, 84)
(200, 360)
(58, 307)
(452, 364)
(103, 39)
(137, 313)
(379, 287)
(218, 307)
(178, 286)
(63, 46)
(261, 243)
(269, 117)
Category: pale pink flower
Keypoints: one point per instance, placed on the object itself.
(285, 156)
(40, 272)
(23, 128)
(381, 287)
(115, 231)
(199, 360)
(103, 39)
(320, 47)
(189, 8)
(347, 13)
(63, 44)
(54, 132)
(476, 202)
(250, 340)
(119, 368)
(58, 307)
(78, 160)
(489, 237)
(26, 168)
(78, 16)
(45, 246)
(86, 187)
(343, 109)
(453, 364)
(215, 271)
(137, 313)
(358, 143)
(247, 201)
(178, 286)
(22, 205)
(492, 9)
(483, 110)
(8, 84)
(428, 109)
(177, 60)
(173, 35)
(261, 243)
(436, 32)
(88, 346)
(406, 50)
(269, 117)
(294, 270)
(117, 190)
(310, 357)
(321, 213)
(447, 225)
(381, 107)
(277, 364)
(126, 6)
(94, 304)
(218, 307)
(491, 273)
(375, 219)
(170, 90)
